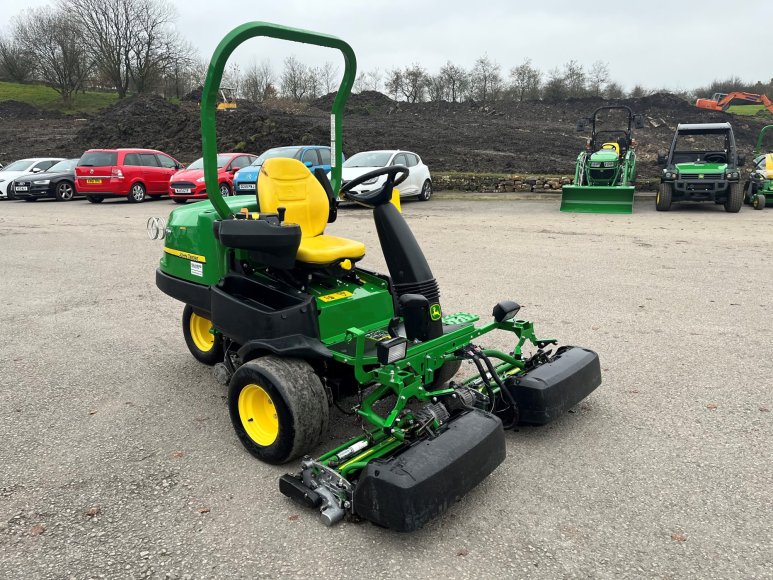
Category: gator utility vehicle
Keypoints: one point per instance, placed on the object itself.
(293, 323)
(701, 165)
(606, 170)
(759, 187)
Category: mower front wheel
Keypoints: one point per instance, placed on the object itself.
(278, 408)
(759, 201)
(664, 196)
(734, 198)
(204, 346)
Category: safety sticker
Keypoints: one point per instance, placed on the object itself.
(335, 296)
(197, 269)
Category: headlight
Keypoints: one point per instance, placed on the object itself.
(200, 179)
(732, 175)
(370, 181)
(609, 164)
(595, 164)
(392, 350)
(42, 182)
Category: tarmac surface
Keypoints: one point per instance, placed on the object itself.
(118, 459)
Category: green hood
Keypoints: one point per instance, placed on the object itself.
(604, 155)
(711, 168)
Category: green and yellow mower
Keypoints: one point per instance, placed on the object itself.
(293, 324)
(606, 170)
(759, 186)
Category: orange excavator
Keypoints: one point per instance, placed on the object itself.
(723, 101)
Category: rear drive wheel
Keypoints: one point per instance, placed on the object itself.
(663, 198)
(94, 199)
(734, 199)
(137, 193)
(64, 191)
(178, 200)
(204, 346)
(225, 191)
(278, 408)
(759, 201)
(426, 191)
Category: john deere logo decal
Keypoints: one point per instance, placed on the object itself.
(434, 312)
(700, 176)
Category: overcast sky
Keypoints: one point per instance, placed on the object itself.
(656, 43)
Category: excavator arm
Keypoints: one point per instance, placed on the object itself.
(734, 99)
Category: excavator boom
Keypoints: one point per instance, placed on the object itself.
(722, 102)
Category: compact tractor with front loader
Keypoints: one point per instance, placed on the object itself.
(605, 172)
(293, 323)
(759, 186)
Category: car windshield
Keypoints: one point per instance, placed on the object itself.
(291, 152)
(222, 161)
(20, 165)
(66, 165)
(368, 159)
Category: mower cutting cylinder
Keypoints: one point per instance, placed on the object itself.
(597, 199)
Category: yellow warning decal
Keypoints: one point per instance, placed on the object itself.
(335, 296)
(186, 255)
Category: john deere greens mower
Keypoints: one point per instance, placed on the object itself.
(292, 323)
(759, 187)
(606, 170)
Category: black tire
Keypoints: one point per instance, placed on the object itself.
(296, 395)
(750, 192)
(137, 193)
(426, 190)
(192, 331)
(65, 191)
(734, 199)
(664, 197)
(446, 373)
(178, 200)
(94, 199)
(225, 190)
(759, 201)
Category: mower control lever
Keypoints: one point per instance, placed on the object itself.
(384, 193)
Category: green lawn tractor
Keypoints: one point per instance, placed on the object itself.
(759, 187)
(606, 171)
(701, 165)
(293, 324)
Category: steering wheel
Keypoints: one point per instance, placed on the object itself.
(715, 157)
(396, 174)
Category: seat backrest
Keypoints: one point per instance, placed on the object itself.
(612, 145)
(288, 183)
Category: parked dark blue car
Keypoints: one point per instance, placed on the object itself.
(313, 156)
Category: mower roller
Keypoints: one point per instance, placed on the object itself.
(606, 171)
(759, 187)
(293, 324)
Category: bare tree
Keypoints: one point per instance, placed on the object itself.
(233, 78)
(56, 42)
(16, 64)
(574, 78)
(414, 83)
(373, 80)
(525, 81)
(181, 73)
(455, 80)
(485, 79)
(259, 79)
(613, 90)
(393, 82)
(437, 90)
(598, 77)
(555, 87)
(637, 91)
(153, 44)
(328, 76)
(359, 83)
(294, 79)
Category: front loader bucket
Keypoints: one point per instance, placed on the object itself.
(597, 199)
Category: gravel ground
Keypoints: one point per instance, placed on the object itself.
(118, 458)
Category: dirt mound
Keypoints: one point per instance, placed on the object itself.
(194, 96)
(363, 103)
(19, 110)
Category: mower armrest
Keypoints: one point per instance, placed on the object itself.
(270, 242)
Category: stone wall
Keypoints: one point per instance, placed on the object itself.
(498, 183)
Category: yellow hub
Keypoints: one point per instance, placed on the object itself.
(200, 333)
(258, 415)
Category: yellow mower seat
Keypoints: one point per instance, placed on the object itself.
(611, 145)
(288, 183)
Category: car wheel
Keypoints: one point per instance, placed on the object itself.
(137, 193)
(94, 199)
(426, 190)
(759, 201)
(663, 198)
(225, 191)
(178, 200)
(734, 198)
(64, 191)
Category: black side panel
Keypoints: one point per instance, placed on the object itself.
(197, 295)
(293, 345)
(269, 243)
(244, 309)
(550, 390)
(405, 492)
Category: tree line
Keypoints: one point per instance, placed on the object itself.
(132, 46)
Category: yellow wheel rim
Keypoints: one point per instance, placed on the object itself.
(258, 415)
(200, 333)
(657, 199)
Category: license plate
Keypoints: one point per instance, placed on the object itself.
(249, 186)
(93, 181)
(20, 188)
(182, 190)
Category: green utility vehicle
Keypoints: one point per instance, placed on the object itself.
(759, 187)
(293, 323)
(701, 165)
(605, 172)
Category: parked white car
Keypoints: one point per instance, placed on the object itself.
(23, 167)
(418, 184)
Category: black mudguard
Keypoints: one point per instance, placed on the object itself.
(403, 493)
(548, 391)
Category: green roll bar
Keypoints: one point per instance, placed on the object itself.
(758, 146)
(215, 74)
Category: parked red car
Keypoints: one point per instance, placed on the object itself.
(130, 173)
(189, 183)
